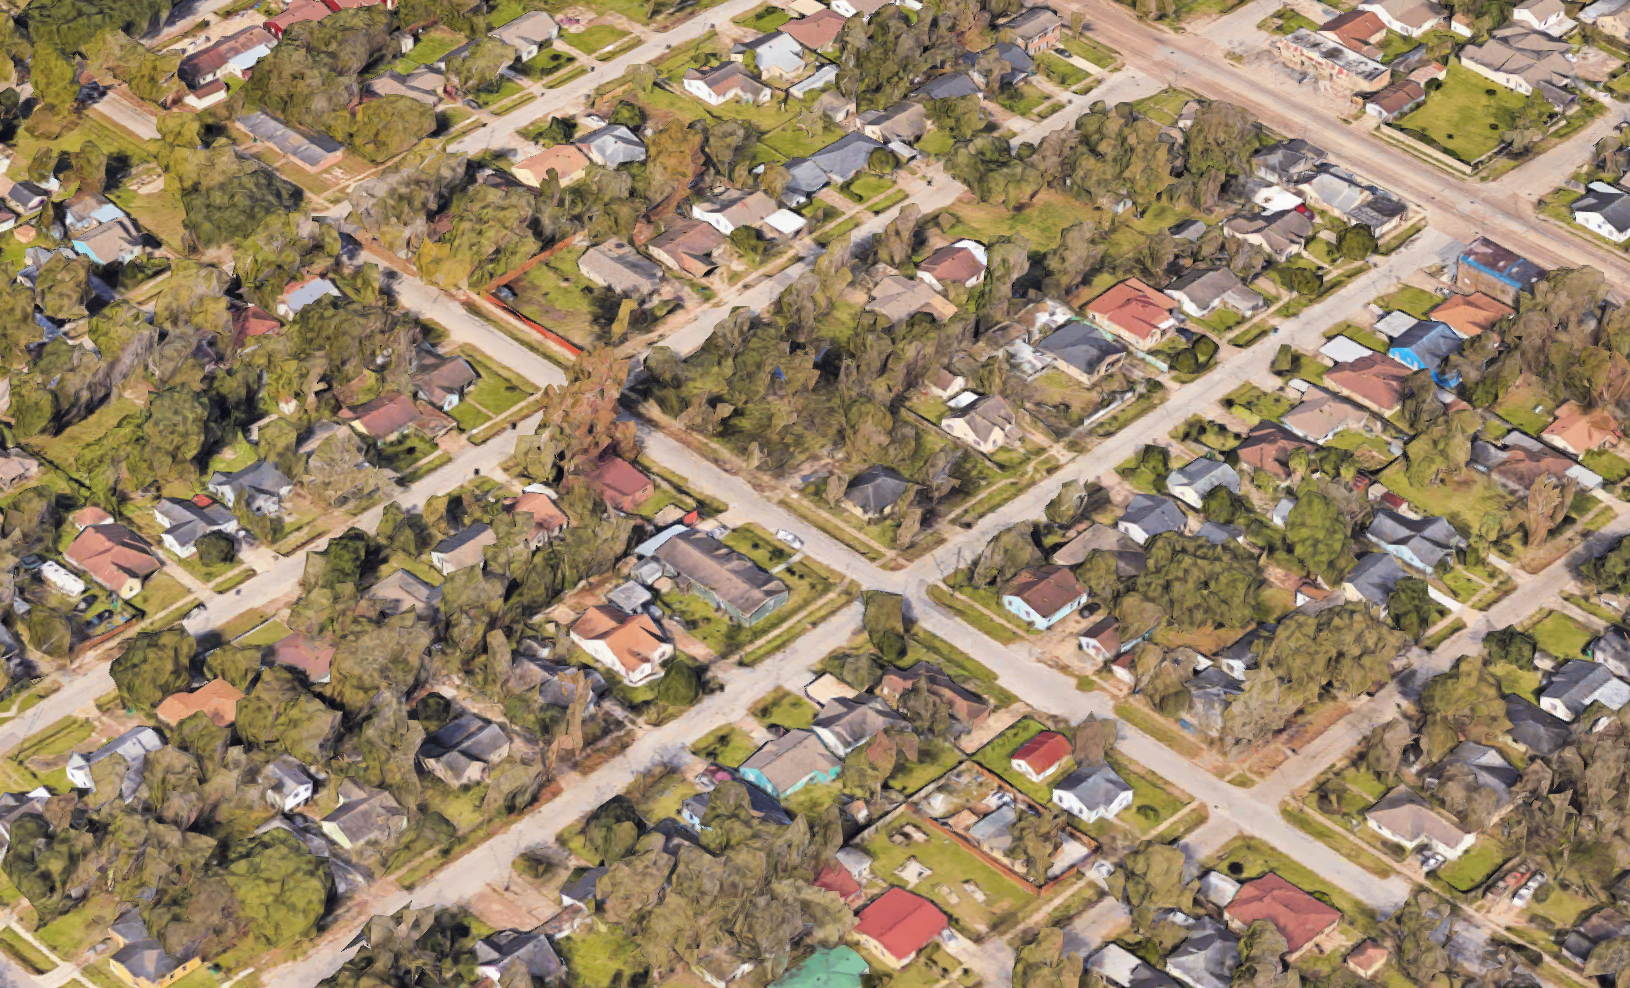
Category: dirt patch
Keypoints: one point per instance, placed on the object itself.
(517, 907)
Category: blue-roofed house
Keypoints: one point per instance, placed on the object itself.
(1487, 267)
(1424, 347)
(86, 211)
(110, 243)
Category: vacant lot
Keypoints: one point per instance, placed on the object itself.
(1467, 115)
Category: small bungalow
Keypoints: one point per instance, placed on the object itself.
(1045, 596)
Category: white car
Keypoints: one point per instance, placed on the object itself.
(789, 538)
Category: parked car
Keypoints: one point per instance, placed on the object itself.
(789, 538)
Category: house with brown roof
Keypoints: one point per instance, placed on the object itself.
(1036, 29)
(1395, 101)
(1358, 30)
(1367, 959)
(441, 381)
(899, 299)
(966, 706)
(1578, 431)
(114, 556)
(987, 425)
(231, 56)
(619, 484)
(734, 208)
(1137, 313)
(312, 656)
(1044, 596)
(818, 31)
(1321, 415)
(631, 645)
(547, 518)
(384, 418)
(250, 321)
(1301, 919)
(1268, 447)
(962, 263)
(565, 160)
(687, 246)
(1375, 381)
(723, 83)
(1281, 234)
(294, 13)
(1469, 315)
(217, 700)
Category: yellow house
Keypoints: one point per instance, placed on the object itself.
(145, 964)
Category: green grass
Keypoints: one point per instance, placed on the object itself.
(1246, 857)
(951, 865)
(888, 202)
(1418, 302)
(270, 633)
(433, 44)
(936, 143)
(1060, 71)
(864, 188)
(1472, 869)
(1527, 407)
(160, 593)
(1467, 115)
(728, 745)
(23, 952)
(1337, 841)
(594, 38)
(1099, 55)
(1464, 500)
(1562, 907)
(1562, 636)
(1154, 800)
(80, 927)
(935, 758)
(763, 18)
(1612, 467)
(997, 755)
(1158, 728)
(600, 954)
(782, 708)
(544, 64)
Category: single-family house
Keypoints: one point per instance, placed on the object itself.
(1367, 959)
(817, 32)
(619, 484)
(1137, 313)
(964, 705)
(114, 556)
(1426, 346)
(1287, 163)
(952, 85)
(987, 425)
(1404, 817)
(512, 950)
(313, 657)
(725, 82)
(734, 208)
(962, 263)
(1470, 315)
(1539, 733)
(631, 645)
(217, 700)
(463, 751)
(115, 242)
(1281, 234)
(87, 210)
(1578, 431)
(1546, 16)
(905, 122)
(527, 34)
(1210, 691)
(1395, 101)
(188, 521)
(1300, 918)
(843, 724)
(1149, 515)
(1375, 381)
(1408, 17)
(288, 784)
(1122, 548)
(1487, 267)
(547, 518)
(1036, 29)
(611, 146)
(687, 246)
(1523, 61)
(302, 292)
(1191, 482)
(721, 576)
(875, 491)
(364, 816)
(1268, 447)
(1611, 17)
(1020, 66)
(898, 923)
(616, 265)
(402, 591)
(233, 55)
(133, 746)
(463, 548)
(296, 12)
(261, 486)
(1041, 756)
(760, 804)
(1424, 543)
(785, 765)
(1604, 210)
(16, 467)
(1207, 957)
(382, 419)
(1358, 30)
(145, 963)
(777, 55)
(822, 77)
(1044, 596)
(1373, 579)
(845, 157)
(1577, 685)
(565, 160)
(1321, 415)
(442, 381)
(900, 298)
(1084, 352)
(1093, 793)
(1202, 291)
(425, 84)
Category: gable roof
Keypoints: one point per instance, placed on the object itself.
(530, 28)
(987, 418)
(616, 476)
(854, 721)
(621, 267)
(689, 244)
(1404, 812)
(845, 156)
(1154, 514)
(1043, 752)
(1535, 729)
(113, 554)
(727, 79)
(1431, 540)
(1297, 916)
(614, 143)
(1580, 682)
(1375, 577)
(791, 758)
(728, 574)
(565, 159)
(1081, 346)
(1489, 767)
(1429, 341)
(1322, 413)
(1207, 957)
(1135, 308)
(1583, 430)
(900, 922)
(900, 298)
(383, 416)
(1129, 558)
(463, 548)
(308, 148)
(1268, 447)
(952, 85)
(953, 263)
(217, 700)
(1471, 314)
(312, 656)
(1376, 380)
(633, 638)
(875, 488)
(739, 207)
(1034, 22)
(817, 30)
(1094, 787)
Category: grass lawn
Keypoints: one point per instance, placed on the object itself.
(951, 865)
(1527, 407)
(544, 64)
(1561, 907)
(497, 391)
(864, 187)
(23, 952)
(1463, 500)
(1041, 222)
(270, 633)
(557, 295)
(54, 741)
(728, 745)
(811, 800)
(433, 44)
(934, 759)
(1060, 71)
(79, 928)
(1418, 302)
(1315, 827)
(936, 143)
(1562, 636)
(763, 18)
(997, 755)
(782, 708)
(599, 954)
(792, 141)
(1467, 115)
(1473, 868)
(1022, 99)
(400, 454)
(1154, 800)
(1245, 857)
(1612, 467)
(160, 593)
(594, 38)
(1099, 55)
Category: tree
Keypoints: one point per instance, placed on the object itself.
(479, 67)
(611, 830)
(154, 665)
(1412, 608)
(1509, 646)
(1356, 242)
(1547, 507)
(679, 686)
(895, 245)
(216, 549)
(1093, 739)
(884, 621)
(1036, 838)
(1044, 963)
(1317, 532)
(1150, 880)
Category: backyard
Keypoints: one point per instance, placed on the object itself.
(1473, 868)
(997, 755)
(950, 866)
(557, 295)
(1466, 116)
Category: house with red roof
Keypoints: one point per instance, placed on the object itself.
(898, 924)
(1137, 313)
(1041, 756)
(619, 484)
(1300, 918)
(836, 879)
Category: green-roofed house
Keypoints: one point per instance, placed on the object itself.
(835, 967)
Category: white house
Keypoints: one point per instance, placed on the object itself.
(288, 784)
(527, 34)
(1408, 17)
(133, 745)
(1193, 481)
(1404, 818)
(631, 645)
(1604, 210)
(1547, 16)
(1093, 793)
(859, 8)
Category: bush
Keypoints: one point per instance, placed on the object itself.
(216, 549)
